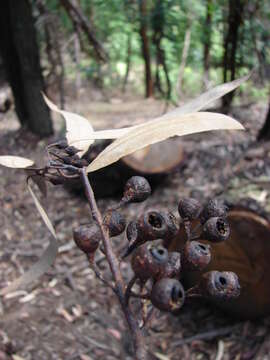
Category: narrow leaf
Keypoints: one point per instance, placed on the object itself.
(45, 261)
(78, 128)
(15, 162)
(42, 212)
(202, 101)
(161, 129)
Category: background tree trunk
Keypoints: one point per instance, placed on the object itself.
(264, 133)
(184, 59)
(128, 63)
(235, 17)
(21, 59)
(158, 22)
(145, 48)
(207, 43)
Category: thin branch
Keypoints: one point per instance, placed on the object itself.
(138, 339)
(98, 274)
(129, 289)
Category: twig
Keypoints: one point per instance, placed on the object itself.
(207, 335)
(137, 337)
(98, 274)
(129, 289)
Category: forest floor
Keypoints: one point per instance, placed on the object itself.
(68, 314)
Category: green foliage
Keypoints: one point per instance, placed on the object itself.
(116, 21)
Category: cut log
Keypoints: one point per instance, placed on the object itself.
(154, 162)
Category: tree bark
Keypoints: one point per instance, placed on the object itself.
(184, 59)
(53, 49)
(264, 133)
(21, 59)
(235, 17)
(158, 21)
(145, 48)
(128, 63)
(207, 43)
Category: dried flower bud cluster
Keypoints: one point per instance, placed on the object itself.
(63, 163)
(148, 238)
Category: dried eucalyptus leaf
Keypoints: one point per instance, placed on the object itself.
(41, 183)
(159, 130)
(79, 130)
(202, 101)
(15, 162)
(42, 212)
(46, 259)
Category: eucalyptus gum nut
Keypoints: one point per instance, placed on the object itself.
(115, 222)
(137, 189)
(216, 230)
(87, 237)
(189, 209)
(172, 225)
(149, 260)
(196, 256)
(172, 268)
(214, 208)
(220, 285)
(168, 295)
(152, 225)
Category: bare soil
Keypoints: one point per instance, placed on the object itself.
(68, 314)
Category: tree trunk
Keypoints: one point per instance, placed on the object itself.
(21, 58)
(128, 63)
(264, 133)
(235, 17)
(184, 59)
(53, 49)
(207, 43)
(145, 48)
(158, 22)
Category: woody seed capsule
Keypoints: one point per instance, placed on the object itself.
(137, 189)
(87, 238)
(168, 295)
(196, 256)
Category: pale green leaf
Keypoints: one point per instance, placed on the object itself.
(161, 129)
(15, 162)
(78, 129)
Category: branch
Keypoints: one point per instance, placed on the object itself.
(78, 19)
(138, 339)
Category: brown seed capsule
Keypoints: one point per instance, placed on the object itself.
(61, 144)
(76, 161)
(173, 266)
(137, 189)
(214, 208)
(152, 225)
(219, 285)
(87, 238)
(196, 256)
(168, 295)
(189, 209)
(133, 237)
(149, 260)
(172, 226)
(216, 230)
(71, 150)
(115, 222)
